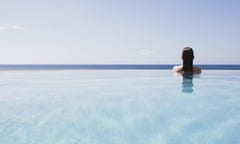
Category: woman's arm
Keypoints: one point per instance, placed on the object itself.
(177, 68)
(197, 70)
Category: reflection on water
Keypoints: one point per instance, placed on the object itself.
(187, 83)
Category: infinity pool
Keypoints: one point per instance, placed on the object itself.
(119, 107)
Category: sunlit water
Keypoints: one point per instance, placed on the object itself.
(119, 107)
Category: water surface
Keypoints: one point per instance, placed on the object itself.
(125, 107)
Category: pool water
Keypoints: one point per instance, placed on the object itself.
(119, 107)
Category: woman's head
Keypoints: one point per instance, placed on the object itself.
(187, 53)
(187, 57)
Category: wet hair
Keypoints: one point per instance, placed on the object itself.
(187, 57)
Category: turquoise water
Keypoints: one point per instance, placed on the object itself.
(119, 107)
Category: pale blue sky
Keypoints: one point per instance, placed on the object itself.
(118, 31)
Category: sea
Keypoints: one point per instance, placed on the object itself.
(110, 66)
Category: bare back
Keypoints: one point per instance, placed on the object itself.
(196, 70)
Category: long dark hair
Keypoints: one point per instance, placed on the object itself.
(187, 57)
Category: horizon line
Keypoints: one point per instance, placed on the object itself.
(111, 66)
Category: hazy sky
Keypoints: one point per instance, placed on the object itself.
(118, 31)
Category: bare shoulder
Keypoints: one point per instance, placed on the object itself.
(177, 68)
(197, 70)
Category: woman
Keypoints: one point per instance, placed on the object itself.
(187, 67)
